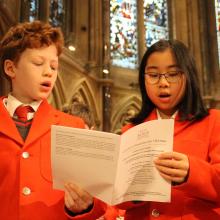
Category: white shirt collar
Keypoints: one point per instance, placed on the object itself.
(11, 103)
(172, 116)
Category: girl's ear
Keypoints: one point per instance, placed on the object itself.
(9, 67)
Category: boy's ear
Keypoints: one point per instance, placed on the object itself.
(9, 68)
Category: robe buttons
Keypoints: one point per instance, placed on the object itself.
(25, 155)
(155, 213)
(26, 191)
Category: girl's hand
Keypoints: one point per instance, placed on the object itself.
(76, 199)
(173, 166)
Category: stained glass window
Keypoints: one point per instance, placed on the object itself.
(155, 20)
(217, 12)
(56, 17)
(33, 10)
(123, 33)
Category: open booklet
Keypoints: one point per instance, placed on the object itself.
(114, 168)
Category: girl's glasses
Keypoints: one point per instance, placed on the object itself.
(171, 76)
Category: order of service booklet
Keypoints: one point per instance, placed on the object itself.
(114, 168)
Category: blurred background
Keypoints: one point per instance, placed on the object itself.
(105, 41)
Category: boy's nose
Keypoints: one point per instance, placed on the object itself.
(48, 72)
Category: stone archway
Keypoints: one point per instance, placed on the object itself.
(127, 109)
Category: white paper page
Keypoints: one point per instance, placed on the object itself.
(137, 177)
(87, 158)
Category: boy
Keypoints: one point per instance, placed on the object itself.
(29, 58)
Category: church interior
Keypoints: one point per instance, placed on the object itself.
(105, 41)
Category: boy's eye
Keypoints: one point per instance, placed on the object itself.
(53, 68)
(37, 63)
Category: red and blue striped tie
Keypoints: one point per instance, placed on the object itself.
(22, 112)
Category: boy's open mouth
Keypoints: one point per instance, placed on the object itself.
(46, 84)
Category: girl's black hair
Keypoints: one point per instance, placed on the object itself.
(191, 107)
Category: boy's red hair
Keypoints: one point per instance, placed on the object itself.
(25, 35)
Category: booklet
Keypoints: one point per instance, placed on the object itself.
(114, 168)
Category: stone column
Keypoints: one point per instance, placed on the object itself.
(106, 71)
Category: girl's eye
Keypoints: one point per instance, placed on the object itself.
(153, 75)
(172, 74)
(53, 67)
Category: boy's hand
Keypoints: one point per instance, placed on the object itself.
(76, 199)
(173, 166)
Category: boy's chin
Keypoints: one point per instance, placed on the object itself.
(39, 99)
(36, 100)
(42, 97)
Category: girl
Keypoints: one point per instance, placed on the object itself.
(169, 89)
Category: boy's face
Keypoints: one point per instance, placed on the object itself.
(34, 76)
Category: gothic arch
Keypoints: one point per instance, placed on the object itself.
(7, 18)
(58, 98)
(83, 91)
(127, 108)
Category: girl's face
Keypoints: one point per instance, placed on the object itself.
(164, 94)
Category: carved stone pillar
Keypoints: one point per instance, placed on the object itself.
(106, 71)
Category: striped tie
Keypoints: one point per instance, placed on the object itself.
(22, 112)
(22, 123)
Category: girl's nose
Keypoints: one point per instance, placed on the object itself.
(163, 81)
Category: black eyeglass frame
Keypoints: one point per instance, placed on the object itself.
(167, 75)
